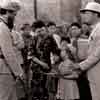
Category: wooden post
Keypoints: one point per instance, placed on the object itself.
(35, 9)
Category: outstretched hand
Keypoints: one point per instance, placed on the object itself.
(74, 73)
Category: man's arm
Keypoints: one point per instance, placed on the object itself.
(41, 63)
(32, 52)
(92, 59)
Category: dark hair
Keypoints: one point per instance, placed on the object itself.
(75, 24)
(67, 39)
(51, 24)
(86, 23)
(70, 55)
(38, 24)
(24, 26)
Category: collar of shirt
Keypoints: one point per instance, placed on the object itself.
(4, 19)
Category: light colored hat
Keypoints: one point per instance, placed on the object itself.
(11, 5)
(92, 6)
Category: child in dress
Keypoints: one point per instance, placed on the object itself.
(67, 88)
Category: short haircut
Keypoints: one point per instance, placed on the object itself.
(25, 26)
(51, 24)
(67, 39)
(75, 24)
(38, 24)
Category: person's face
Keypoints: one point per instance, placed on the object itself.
(75, 31)
(63, 53)
(52, 29)
(27, 30)
(41, 31)
(88, 17)
(85, 28)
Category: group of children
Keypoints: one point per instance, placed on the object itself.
(44, 44)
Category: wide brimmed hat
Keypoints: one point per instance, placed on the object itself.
(92, 6)
(11, 5)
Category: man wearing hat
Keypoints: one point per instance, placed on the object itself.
(8, 57)
(91, 15)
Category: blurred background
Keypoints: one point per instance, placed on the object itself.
(60, 11)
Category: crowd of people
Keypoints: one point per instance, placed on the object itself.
(41, 62)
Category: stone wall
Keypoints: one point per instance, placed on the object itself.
(60, 11)
(48, 10)
(70, 10)
(26, 14)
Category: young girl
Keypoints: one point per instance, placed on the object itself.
(67, 88)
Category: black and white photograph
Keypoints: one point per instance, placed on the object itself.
(49, 49)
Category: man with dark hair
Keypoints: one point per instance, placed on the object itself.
(52, 29)
(43, 44)
(38, 24)
(51, 24)
(75, 24)
(53, 32)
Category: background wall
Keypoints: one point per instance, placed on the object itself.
(60, 11)
(48, 10)
(26, 14)
(70, 10)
